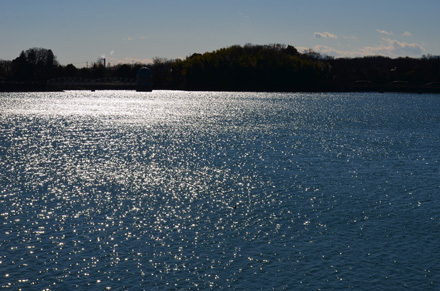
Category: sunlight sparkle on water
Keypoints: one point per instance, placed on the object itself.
(196, 190)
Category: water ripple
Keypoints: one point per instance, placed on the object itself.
(200, 190)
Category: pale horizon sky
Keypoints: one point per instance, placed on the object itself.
(128, 31)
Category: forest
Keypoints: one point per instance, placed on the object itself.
(275, 68)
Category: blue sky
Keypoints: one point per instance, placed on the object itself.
(128, 31)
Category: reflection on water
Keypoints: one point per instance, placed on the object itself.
(191, 190)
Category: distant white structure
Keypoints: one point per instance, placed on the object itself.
(144, 80)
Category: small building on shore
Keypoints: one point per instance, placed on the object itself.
(144, 80)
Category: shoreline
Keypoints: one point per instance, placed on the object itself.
(399, 88)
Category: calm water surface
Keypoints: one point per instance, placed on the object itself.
(117, 190)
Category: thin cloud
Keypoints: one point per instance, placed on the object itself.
(394, 48)
(352, 37)
(130, 38)
(325, 35)
(330, 51)
(407, 33)
(385, 32)
(388, 47)
(116, 61)
(243, 15)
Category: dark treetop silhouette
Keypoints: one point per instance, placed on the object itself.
(250, 67)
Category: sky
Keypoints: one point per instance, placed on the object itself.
(80, 32)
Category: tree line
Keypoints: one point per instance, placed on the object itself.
(275, 67)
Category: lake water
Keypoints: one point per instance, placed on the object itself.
(115, 190)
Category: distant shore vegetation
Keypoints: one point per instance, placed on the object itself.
(274, 67)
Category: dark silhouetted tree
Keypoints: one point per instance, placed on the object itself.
(35, 64)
